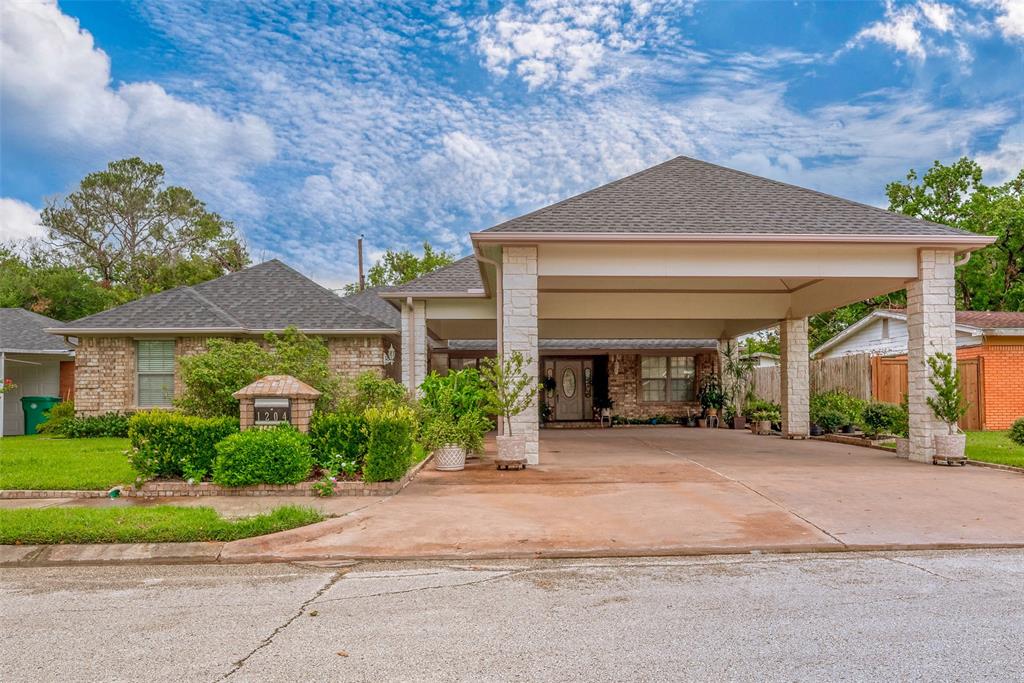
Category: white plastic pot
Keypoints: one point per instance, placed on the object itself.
(450, 458)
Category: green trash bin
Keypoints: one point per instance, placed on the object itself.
(34, 408)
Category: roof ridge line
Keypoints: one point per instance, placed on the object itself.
(332, 293)
(217, 309)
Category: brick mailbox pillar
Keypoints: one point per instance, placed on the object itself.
(276, 399)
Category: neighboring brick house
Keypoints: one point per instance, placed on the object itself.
(990, 357)
(37, 362)
(127, 357)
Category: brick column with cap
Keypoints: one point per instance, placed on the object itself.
(301, 400)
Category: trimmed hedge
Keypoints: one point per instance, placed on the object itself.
(336, 437)
(881, 418)
(390, 430)
(110, 424)
(278, 455)
(167, 444)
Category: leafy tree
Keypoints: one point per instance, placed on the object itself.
(955, 195)
(397, 267)
(51, 289)
(126, 228)
(766, 341)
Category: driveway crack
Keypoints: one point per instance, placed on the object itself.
(334, 578)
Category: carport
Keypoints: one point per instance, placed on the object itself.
(38, 363)
(690, 250)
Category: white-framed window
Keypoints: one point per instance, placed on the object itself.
(666, 378)
(154, 362)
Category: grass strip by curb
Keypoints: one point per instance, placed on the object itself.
(160, 524)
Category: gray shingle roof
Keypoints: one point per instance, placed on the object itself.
(689, 196)
(22, 330)
(267, 296)
(370, 302)
(461, 276)
(588, 344)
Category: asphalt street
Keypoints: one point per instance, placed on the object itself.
(950, 616)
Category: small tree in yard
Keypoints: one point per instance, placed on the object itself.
(511, 390)
(948, 403)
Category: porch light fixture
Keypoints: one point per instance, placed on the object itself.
(388, 357)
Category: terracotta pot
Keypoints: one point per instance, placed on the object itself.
(450, 458)
(902, 448)
(950, 445)
(739, 422)
(764, 427)
(511, 447)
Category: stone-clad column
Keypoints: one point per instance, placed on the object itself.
(931, 328)
(795, 377)
(414, 344)
(519, 315)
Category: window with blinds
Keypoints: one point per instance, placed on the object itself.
(666, 378)
(155, 364)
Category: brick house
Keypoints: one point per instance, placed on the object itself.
(38, 363)
(127, 357)
(989, 352)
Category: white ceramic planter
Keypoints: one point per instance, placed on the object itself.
(764, 427)
(902, 448)
(950, 445)
(450, 458)
(511, 447)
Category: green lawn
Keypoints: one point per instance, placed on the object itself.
(994, 447)
(42, 462)
(161, 524)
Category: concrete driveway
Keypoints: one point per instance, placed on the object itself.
(663, 491)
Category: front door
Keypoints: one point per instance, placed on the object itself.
(569, 401)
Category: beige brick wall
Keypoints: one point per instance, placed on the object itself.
(104, 375)
(105, 367)
(352, 356)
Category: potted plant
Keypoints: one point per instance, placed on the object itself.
(762, 418)
(736, 373)
(948, 405)
(545, 412)
(711, 395)
(510, 392)
(603, 405)
(451, 437)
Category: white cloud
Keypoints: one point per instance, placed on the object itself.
(570, 44)
(1007, 159)
(938, 15)
(19, 221)
(898, 30)
(1010, 19)
(58, 95)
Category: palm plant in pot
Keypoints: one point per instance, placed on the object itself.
(948, 405)
(736, 372)
(510, 391)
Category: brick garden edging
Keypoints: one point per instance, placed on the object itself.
(170, 489)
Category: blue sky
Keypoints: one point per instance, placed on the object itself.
(308, 125)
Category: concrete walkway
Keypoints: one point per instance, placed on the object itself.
(665, 491)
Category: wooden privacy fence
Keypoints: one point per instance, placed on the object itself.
(883, 379)
(850, 373)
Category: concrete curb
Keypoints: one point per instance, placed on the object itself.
(996, 466)
(211, 553)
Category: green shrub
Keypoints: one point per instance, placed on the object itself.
(337, 438)
(467, 431)
(373, 390)
(760, 409)
(390, 430)
(830, 419)
(210, 378)
(167, 444)
(460, 392)
(880, 418)
(110, 424)
(901, 419)
(836, 401)
(278, 455)
(1017, 431)
(57, 418)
